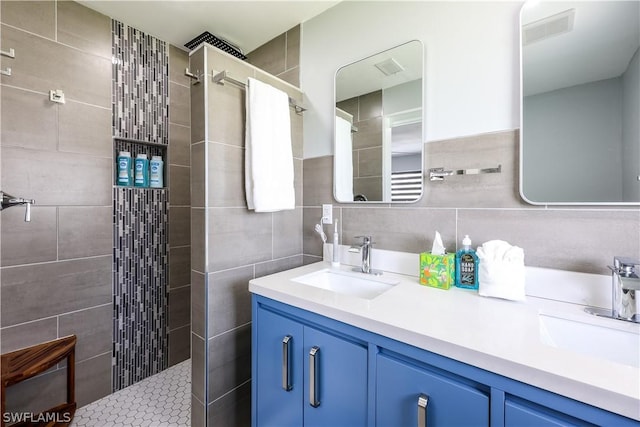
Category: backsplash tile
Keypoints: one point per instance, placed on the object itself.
(486, 207)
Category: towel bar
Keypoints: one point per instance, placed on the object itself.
(222, 77)
(438, 174)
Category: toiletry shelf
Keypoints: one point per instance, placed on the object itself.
(137, 141)
(438, 174)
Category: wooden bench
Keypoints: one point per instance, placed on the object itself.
(26, 363)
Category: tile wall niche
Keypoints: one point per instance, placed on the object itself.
(485, 207)
(230, 244)
(56, 271)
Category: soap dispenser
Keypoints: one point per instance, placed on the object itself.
(466, 266)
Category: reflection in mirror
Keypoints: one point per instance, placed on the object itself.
(580, 136)
(378, 127)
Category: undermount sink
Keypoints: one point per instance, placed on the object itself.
(614, 340)
(347, 283)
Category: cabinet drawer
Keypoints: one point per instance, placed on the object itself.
(449, 402)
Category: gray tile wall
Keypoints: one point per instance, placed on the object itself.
(178, 170)
(280, 56)
(56, 270)
(486, 207)
(230, 244)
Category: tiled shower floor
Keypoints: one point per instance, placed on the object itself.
(163, 400)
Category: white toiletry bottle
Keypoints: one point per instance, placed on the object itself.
(335, 262)
(155, 172)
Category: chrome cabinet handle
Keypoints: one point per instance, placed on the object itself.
(313, 379)
(423, 401)
(286, 365)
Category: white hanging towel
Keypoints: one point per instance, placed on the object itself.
(269, 177)
(343, 163)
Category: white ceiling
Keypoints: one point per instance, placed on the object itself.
(605, 36)
(245, 24)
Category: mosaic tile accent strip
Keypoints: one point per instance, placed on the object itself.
(140, 278)
(140, 95)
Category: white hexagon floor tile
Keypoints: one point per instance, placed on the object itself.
(163, 400)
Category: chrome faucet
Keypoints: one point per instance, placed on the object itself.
(625, 287)
(365, 249)
(7, 201)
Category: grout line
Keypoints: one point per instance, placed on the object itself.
(230, 330)
(231, 391)
(56, 261)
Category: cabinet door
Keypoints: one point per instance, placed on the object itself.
(516, 415)
(339, 381)
(409, 396)
(279, 379)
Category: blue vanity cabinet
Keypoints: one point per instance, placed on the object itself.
(304, 376)
(523, 415)
(411, 395)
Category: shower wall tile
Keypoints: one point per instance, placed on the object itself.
(229, 361)
(297, 136)
(226, 185)
(198, 412)
(369, 186)
(179, 345)
(293, 48)
(179, 232)
(197, 107)
(179, 185)
(271, 56)
(291, 76)
(27, 120)
(179, 141)
(237, 237)
(287, 233)
(76, 223)
(37, 17)
(198, 167)
(232, 409)
(45, 64)
(28, 334)
(198, 304)
(66, 286)
(198, 367)
(91, 135)
(28, 242)
(84, 28)
(138, 59)
(178, 62)
(93, 379)
(180, 104)
(297, 181)
(370, 162)
(198, 240)
(229, 299)
(52, 178)
(179, 307)
(226, 104)
(179, 266)
(93, 327)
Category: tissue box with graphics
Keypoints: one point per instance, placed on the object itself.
(437, 270)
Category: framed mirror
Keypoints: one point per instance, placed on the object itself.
(580, 93)
(379, 133)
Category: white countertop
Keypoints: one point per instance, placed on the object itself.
(496, 335)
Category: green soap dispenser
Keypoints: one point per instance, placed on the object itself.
(466, 266)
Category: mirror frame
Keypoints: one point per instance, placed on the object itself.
(525, 6)
(422, 136)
